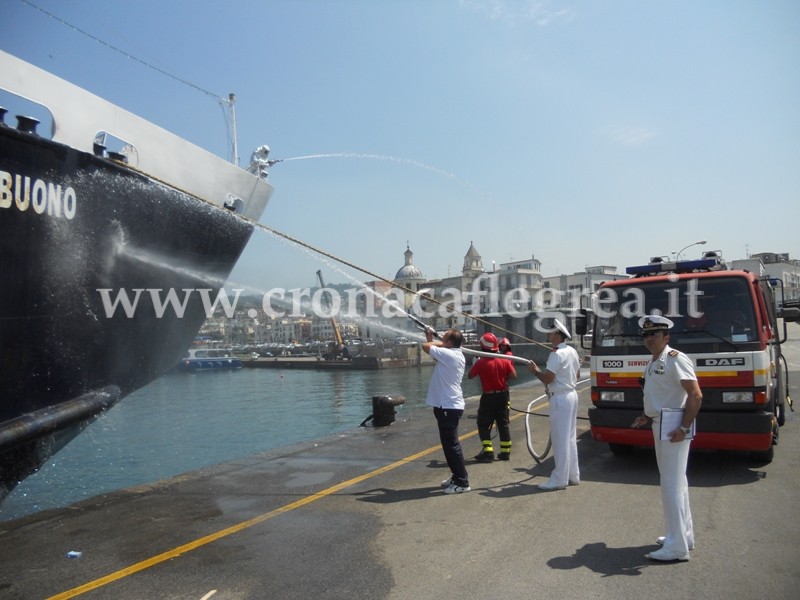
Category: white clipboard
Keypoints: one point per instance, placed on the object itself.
(672, 419)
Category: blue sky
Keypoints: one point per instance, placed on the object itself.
(579, 132)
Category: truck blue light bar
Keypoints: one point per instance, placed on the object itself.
(684, 266)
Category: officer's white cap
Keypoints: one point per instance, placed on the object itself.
(562, 328)
(655, 323)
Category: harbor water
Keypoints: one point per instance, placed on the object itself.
(186, 421)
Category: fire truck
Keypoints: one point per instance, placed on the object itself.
(726, 321)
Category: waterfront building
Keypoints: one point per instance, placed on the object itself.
(575, 291)
(454, 292)
(291, 330)
(774, 265)
(262, 330)
(322, 329)
(519, 284)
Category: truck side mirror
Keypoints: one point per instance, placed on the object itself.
(789, 313)
(581, 321)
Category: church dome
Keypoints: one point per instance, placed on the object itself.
(408, 272)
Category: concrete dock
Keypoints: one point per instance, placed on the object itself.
(362, 516)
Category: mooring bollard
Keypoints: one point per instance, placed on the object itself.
(383, 411)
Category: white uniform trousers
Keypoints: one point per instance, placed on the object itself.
(563, 426)
(672, 459)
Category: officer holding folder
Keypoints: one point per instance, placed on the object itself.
(670, 383)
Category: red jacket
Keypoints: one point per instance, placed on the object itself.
(494, 373)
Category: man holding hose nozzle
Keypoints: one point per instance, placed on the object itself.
(447, 399)
(561, 378)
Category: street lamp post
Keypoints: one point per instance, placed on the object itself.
(679, 252)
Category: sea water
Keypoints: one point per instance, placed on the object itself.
(186, 421)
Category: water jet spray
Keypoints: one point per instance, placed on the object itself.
(416, 320)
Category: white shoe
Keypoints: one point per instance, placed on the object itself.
(447, 482)
(456, 489)
(664, 555)
(660, 541)
(549, 487)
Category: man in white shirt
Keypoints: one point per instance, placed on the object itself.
(447, 399)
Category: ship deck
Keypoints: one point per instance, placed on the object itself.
(362, 515)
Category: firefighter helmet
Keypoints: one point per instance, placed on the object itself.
(489, 342)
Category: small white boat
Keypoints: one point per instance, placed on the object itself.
(209, 359)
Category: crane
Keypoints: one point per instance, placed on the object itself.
(339, 348)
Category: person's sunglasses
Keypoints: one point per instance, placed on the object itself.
(649, 333)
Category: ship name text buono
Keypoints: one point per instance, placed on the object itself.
(42, 196)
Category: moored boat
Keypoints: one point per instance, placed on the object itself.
(110, 255)
(209, 359)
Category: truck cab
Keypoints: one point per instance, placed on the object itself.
(726, 321)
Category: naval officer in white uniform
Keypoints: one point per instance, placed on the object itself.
(670, 382)
(561, 378)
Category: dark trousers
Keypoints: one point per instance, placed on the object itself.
(447, 419)
(493, 408)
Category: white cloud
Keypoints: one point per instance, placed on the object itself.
(513, 12)
(631, 136)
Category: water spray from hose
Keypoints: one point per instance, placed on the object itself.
(340, 260)
(469, 351)
(360, 269)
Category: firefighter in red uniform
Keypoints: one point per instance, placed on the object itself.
(494, 404)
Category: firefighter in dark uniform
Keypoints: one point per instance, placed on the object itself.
(494, 403)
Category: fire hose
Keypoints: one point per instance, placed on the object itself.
(533, 405)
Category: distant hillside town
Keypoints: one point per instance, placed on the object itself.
(377, 311)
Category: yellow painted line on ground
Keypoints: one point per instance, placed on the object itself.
(194, 545)
(203, 541)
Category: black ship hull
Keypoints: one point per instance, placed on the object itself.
(80, 235)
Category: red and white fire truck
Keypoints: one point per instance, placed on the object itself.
(726, 321)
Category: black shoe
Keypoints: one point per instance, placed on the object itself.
(485, 456)
(504, 456)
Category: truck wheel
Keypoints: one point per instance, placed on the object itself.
(766, 456)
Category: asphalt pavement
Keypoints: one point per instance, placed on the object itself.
(362, 515)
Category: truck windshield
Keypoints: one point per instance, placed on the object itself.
(710, 314)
